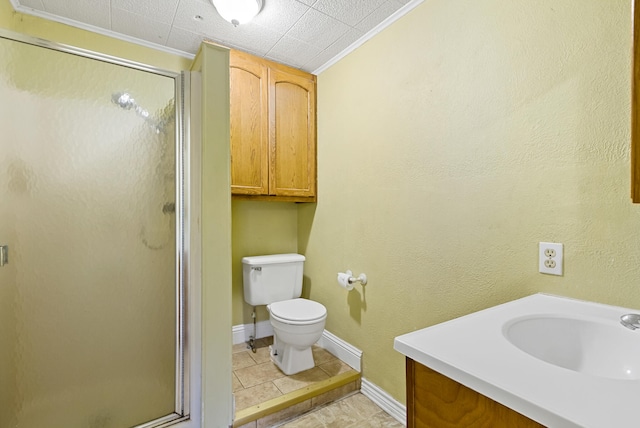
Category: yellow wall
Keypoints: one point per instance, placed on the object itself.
(451, 144)
(55, 32)
(215, 235)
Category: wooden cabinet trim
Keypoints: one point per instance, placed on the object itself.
(410, 387)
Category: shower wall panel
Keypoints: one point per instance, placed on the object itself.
(87, 190)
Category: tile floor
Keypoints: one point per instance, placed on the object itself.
(353, 411)
(256, 379)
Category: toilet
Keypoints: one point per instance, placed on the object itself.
(276, 281)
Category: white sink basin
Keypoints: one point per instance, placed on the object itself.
(588, 346)
(559, 361)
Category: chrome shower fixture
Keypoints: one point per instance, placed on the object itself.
(125, 101)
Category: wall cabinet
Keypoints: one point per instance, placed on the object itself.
(273, 130)
(434, 400)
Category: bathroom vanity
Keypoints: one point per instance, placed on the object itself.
(538, 361)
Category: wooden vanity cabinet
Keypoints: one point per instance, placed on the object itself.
(273, 130)
(434, 400)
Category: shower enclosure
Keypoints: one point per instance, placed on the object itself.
(91, 240)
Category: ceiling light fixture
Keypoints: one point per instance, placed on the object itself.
(238, 11)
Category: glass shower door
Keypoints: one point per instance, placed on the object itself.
(88, 301)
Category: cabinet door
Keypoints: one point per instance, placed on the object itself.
(434, 400)
(249, 125)
(292, 134)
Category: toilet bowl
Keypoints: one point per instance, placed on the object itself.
(297, 325)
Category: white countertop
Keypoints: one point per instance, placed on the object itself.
(473, 351)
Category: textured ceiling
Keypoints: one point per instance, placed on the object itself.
(306, 34)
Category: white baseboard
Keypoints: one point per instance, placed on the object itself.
(341, 349)
(332, 343)
(243, 332)
(386, 402)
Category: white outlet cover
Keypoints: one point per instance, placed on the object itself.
(557, 270)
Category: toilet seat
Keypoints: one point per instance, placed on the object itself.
(298, 311)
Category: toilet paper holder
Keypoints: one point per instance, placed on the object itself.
(362, 278)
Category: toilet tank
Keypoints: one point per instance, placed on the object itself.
(268, 279)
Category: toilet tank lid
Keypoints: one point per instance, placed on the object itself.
(273, 258)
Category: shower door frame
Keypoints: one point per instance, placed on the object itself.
(181, 82)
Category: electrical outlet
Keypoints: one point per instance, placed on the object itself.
(550, 258)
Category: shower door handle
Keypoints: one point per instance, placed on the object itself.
(4, 255)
